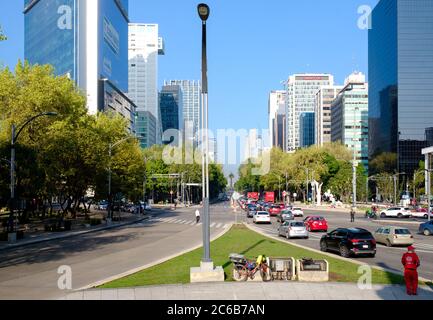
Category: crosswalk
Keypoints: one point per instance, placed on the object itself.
(180, 221)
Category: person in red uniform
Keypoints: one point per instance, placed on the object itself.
(411, 263)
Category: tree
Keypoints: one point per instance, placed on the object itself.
(231, 177)
(2, 36)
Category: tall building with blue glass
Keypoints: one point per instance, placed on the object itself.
(401, 82)
(306, 129)
(86, 41)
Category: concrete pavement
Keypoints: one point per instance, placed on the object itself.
(254, 291)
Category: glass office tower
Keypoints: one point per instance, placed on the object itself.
(401, 82)
(86, 41)
(306, 129)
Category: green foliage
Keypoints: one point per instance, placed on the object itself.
(2, 35)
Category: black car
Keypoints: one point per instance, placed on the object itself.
(349, 242)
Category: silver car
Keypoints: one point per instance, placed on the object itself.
(293, 229)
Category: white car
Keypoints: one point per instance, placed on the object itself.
(298, 212)
(422, 215)
(262, 217)
(398, 212)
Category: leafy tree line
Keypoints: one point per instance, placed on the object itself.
(2, 35)
(60, 159)
(325, 168)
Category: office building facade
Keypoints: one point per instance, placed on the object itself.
(306, 129)
(301, 98)
(144, 48)
(146, 129)
(86, 41)
(191, 91)
(322, 122)
(171, 106)
(276, 107)
(401, 81)
(350, 117)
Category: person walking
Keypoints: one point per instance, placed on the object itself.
(411, 263)
(197, 216)
(352, 215)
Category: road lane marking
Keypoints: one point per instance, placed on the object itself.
(219, 225)
(213, 225)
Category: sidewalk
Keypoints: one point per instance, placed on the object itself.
(254, 291)
(49, 236)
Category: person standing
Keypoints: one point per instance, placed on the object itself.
(411, 263)
(197, 216)
(352, 215)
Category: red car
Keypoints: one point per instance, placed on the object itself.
(274, 210)
(316, 223)
(282, 206)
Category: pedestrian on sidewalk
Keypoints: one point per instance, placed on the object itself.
(352, 215)
(197, 216)
(411, 263)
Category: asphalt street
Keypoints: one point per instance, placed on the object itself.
(31, 272)
(389, 258)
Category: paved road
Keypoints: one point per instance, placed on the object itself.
(30, 272)
(386, 257)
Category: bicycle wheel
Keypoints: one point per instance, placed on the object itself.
(240, 275)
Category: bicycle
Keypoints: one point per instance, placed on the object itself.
(245, 269)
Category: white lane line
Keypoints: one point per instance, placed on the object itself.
(192, 223)
(219, 225)
(226, 226)
(177, 221)
(213, 225)
(171, 220)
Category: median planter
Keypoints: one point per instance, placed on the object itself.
(310, 270)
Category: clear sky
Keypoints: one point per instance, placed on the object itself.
(253, 46)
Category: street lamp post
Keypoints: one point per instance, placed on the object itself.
(16, 131)
(428, 182)
(110, 154)
(204, 12)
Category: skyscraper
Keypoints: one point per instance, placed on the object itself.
(301, 97)
(350, 117)
(401, 81)
(145, 45)
(322, 126)
(86, 41)
(170, 104)
(191, 91)
(276, 106)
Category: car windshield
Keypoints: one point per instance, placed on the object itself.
(361, 236)
(297, 224)
(297, 209)
(263, 214)
(402, 231)
(317, 219)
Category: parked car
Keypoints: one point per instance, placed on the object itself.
(298, 212)
(398, 212)
(285, 215)
(282, 206)
(349, 242)
(394, 236)
(274, 210)
(103, 206)
(293, 229)
(426, 228)
(262, 217)
(316, 223)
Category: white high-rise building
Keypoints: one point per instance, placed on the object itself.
(145, 46)
(301, 98)
(191, 91)
(277, 101)
(324, 98)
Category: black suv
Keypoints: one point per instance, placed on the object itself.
(348, 242)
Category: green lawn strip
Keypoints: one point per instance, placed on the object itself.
(244, 241)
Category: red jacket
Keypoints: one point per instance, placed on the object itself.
(410, 261)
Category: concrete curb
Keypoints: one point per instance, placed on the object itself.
(329, 254)
(150, 265)
(71, 235)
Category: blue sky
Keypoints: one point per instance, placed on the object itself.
(253, 46)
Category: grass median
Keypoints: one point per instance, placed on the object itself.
(251, 244)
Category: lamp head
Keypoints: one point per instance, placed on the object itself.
(203, 11)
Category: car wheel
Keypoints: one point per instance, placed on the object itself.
(425, 216)
(427, 232)
(373, 255)
(383, 215)
(323, 246)
(288, 236)
(388, 243)
(344, 252)
(309, 229)
(400, 216)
